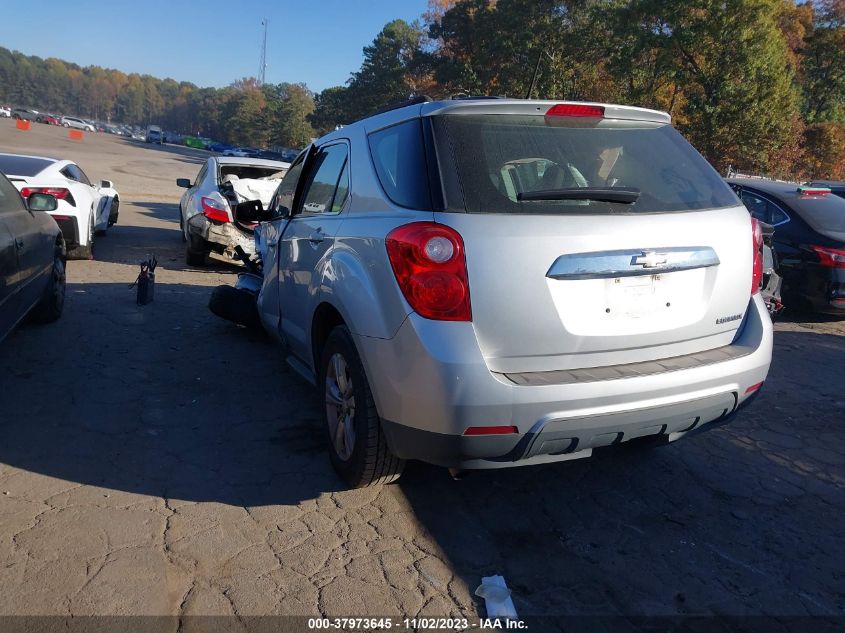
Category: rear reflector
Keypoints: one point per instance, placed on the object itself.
(754, 388)
(60, 217)
(576, 109)
(491, 430)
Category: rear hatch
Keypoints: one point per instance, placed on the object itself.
(593, 240)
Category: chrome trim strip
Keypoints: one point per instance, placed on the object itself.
(630, 263)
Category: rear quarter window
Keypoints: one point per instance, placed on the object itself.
(497, 157)
(399, 159)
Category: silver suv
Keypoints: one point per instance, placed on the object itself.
(492, 283)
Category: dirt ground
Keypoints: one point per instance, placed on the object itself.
(156, 460)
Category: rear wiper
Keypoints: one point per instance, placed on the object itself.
(625, 195)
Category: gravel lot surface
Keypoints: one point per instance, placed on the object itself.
(157, 460)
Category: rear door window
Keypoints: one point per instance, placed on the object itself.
(322, 187)
(495, 158)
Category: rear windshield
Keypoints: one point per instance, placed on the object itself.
(22, 165)
(252, 171)
(498, 157)
(826, 214)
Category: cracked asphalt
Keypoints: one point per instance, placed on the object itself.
(155, 460)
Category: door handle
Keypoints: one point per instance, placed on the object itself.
(316, 237)
(19, 244)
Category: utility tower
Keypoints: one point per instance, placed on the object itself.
(262, 65)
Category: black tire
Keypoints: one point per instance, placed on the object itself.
(236, 305)
(371, 462)
(52, 302)
(194, 258)
(114, 213)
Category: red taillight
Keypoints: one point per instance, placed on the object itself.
(60, 193)
(831, 257)
(757, 245)
(60, 217)
(491, 430)
(429, 264)
(576, 109)
(215, 210)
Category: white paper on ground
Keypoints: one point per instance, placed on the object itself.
(497, 597)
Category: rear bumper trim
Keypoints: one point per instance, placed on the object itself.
(649, 368)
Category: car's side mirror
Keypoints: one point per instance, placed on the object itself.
(250, 212)
(106, 184)
(42, 202)
(185, 183)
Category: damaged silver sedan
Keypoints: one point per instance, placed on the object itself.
(205, 210)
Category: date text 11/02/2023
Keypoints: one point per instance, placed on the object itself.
(415, 624)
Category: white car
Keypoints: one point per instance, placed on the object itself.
(239, 152)
(205, 211)
(84, 209)
(79, 124)
(5, 112)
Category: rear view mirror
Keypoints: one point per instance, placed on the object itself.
(42, 202)
(106, 184)
(183, 182)
(250, 212)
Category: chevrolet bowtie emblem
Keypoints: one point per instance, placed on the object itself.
(649, 259)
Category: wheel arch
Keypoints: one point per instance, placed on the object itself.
(326, 318)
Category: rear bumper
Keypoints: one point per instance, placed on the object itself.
(220, 237)
(69, 226)
(431, 383)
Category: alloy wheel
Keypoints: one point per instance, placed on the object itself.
(340, 406)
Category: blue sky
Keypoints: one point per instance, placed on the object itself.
(208, 42)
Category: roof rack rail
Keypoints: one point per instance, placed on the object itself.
(395, 106)
(475, 97)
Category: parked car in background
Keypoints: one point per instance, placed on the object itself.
(837, 187)
(241, 152)
(809, 239)
(5, 112)
(24, 114)
(493, 283)
(32, 259)
(77, 123)
(83, 209)
(154, 135)
(219, 147)
(205, 210)
(49, 119)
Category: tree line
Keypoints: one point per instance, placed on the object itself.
(755, 84)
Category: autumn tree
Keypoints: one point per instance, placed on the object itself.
(289, 107)
(824, 63)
